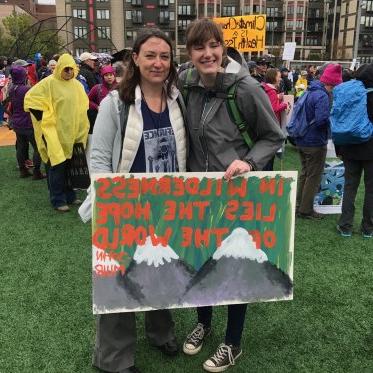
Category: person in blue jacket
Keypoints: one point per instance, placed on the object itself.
(312, 147)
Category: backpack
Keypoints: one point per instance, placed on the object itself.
(233, 110)
(349, 119)
(298, 125)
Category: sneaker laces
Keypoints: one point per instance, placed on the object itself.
(197, 334)
(221, 353)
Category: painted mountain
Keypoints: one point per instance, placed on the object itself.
(156, 276)
(237, 272)
(108, 294)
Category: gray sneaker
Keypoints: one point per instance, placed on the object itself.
(194, 340)
(224, 357)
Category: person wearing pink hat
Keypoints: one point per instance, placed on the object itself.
(100, 91)
(312, 146)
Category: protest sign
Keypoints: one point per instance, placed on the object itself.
(289, 51)
(328, 200)
(286, 115)
(244, 33)
(184, 240)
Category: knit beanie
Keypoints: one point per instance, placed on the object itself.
(332, 75)
(107, 69)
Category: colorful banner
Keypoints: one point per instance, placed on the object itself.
(183, 240)
(244, 33)
(328, 200)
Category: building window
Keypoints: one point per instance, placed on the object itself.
(183, 23)
(104, 50)
(163, 2)
(79, 51)
(184, 10)
(128, 14)
(103, 13)
(136, 2)
(300, 10)
(299, 24)
(80, 32)
(80, 13)
(290, 24)
(272, 12)
(103, 32)
(172, 16)
(136, 16)
(271, 25)
(164, 16)
(102, 1)
(229, 11)
(131, 35)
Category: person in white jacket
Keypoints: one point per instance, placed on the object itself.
(154, 140)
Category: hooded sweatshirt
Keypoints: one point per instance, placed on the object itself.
(20, 119)
(64, 105)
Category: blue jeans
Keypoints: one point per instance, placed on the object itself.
(60, 193)
(1, 113)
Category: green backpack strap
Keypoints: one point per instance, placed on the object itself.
(185, 92)
(236, 116)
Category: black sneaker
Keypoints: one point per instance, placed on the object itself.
(224, 357)
(366, 234)
(343, 232)
(194, 340)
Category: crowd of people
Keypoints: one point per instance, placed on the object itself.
(114, 109)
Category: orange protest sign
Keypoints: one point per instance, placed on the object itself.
(244, 33)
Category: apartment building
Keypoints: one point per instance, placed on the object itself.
(319, 27)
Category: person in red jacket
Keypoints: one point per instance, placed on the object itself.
(271, 85)
(100, 91)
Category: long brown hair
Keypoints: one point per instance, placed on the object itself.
(132, 76)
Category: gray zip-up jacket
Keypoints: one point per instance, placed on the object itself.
(215, 141)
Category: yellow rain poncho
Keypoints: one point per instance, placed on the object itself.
(64, 104)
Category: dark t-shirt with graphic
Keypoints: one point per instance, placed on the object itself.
(157, 150)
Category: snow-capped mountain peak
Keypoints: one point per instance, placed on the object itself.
(154, 255)
(240, 245)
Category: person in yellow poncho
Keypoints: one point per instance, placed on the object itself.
(301, 84)
(58, 106)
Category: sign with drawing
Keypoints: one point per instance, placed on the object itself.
(171, 240)
(244, 33)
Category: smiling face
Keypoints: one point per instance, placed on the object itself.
(153, 61)
(207, 57)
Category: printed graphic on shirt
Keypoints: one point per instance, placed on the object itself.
(160, 150)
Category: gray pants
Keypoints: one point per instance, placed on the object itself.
(116, 337)
(313, 162)
(353, 171)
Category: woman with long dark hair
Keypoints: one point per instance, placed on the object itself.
(153, 141)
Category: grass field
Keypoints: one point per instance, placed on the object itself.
(46, 322)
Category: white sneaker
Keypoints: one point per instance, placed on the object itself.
(224, 357)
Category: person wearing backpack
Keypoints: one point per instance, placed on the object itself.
(312, 142)
(217, 144)
(356, 159)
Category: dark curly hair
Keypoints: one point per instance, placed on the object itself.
(132, 75)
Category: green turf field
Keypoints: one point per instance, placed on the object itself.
(46, 321)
